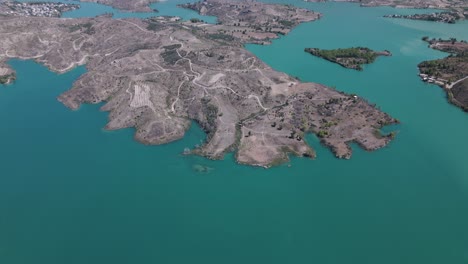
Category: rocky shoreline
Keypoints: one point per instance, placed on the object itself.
(158, 75)
(450, 73)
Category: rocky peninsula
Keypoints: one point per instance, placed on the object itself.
(351, 58)
(157, 75)
(450, 73)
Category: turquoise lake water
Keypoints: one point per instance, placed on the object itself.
(166, 8)
(71, 192)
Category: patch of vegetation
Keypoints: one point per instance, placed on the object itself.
(87, 28)
(330, 124)
(451, 68)
(154, 26)
(363, 53)
(391, 135)
(351, 58)
(286, 23)
(195, 20)
(211, 114)
(322, 133)
(7, 78)
(172, 47)
(170, 56)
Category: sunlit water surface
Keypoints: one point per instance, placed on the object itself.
(71, 192)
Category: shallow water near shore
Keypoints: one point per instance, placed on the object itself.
(71, 192)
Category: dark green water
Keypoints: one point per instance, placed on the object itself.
(71, 192)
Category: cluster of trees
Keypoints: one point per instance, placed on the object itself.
(154, 26)
(86, 27)
(445, 66)
(195, 20)
(322, 133)
(431, 41)
(211, 114)
(365, 54)
(286, 23)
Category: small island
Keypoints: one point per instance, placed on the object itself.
(351, 58)
(444, 17)
(450, 73)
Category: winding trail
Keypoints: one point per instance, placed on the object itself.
(177, 99)
(258, 100)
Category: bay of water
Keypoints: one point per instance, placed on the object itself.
(164, 8)
(71, 192)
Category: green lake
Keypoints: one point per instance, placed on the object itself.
(71, 192)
